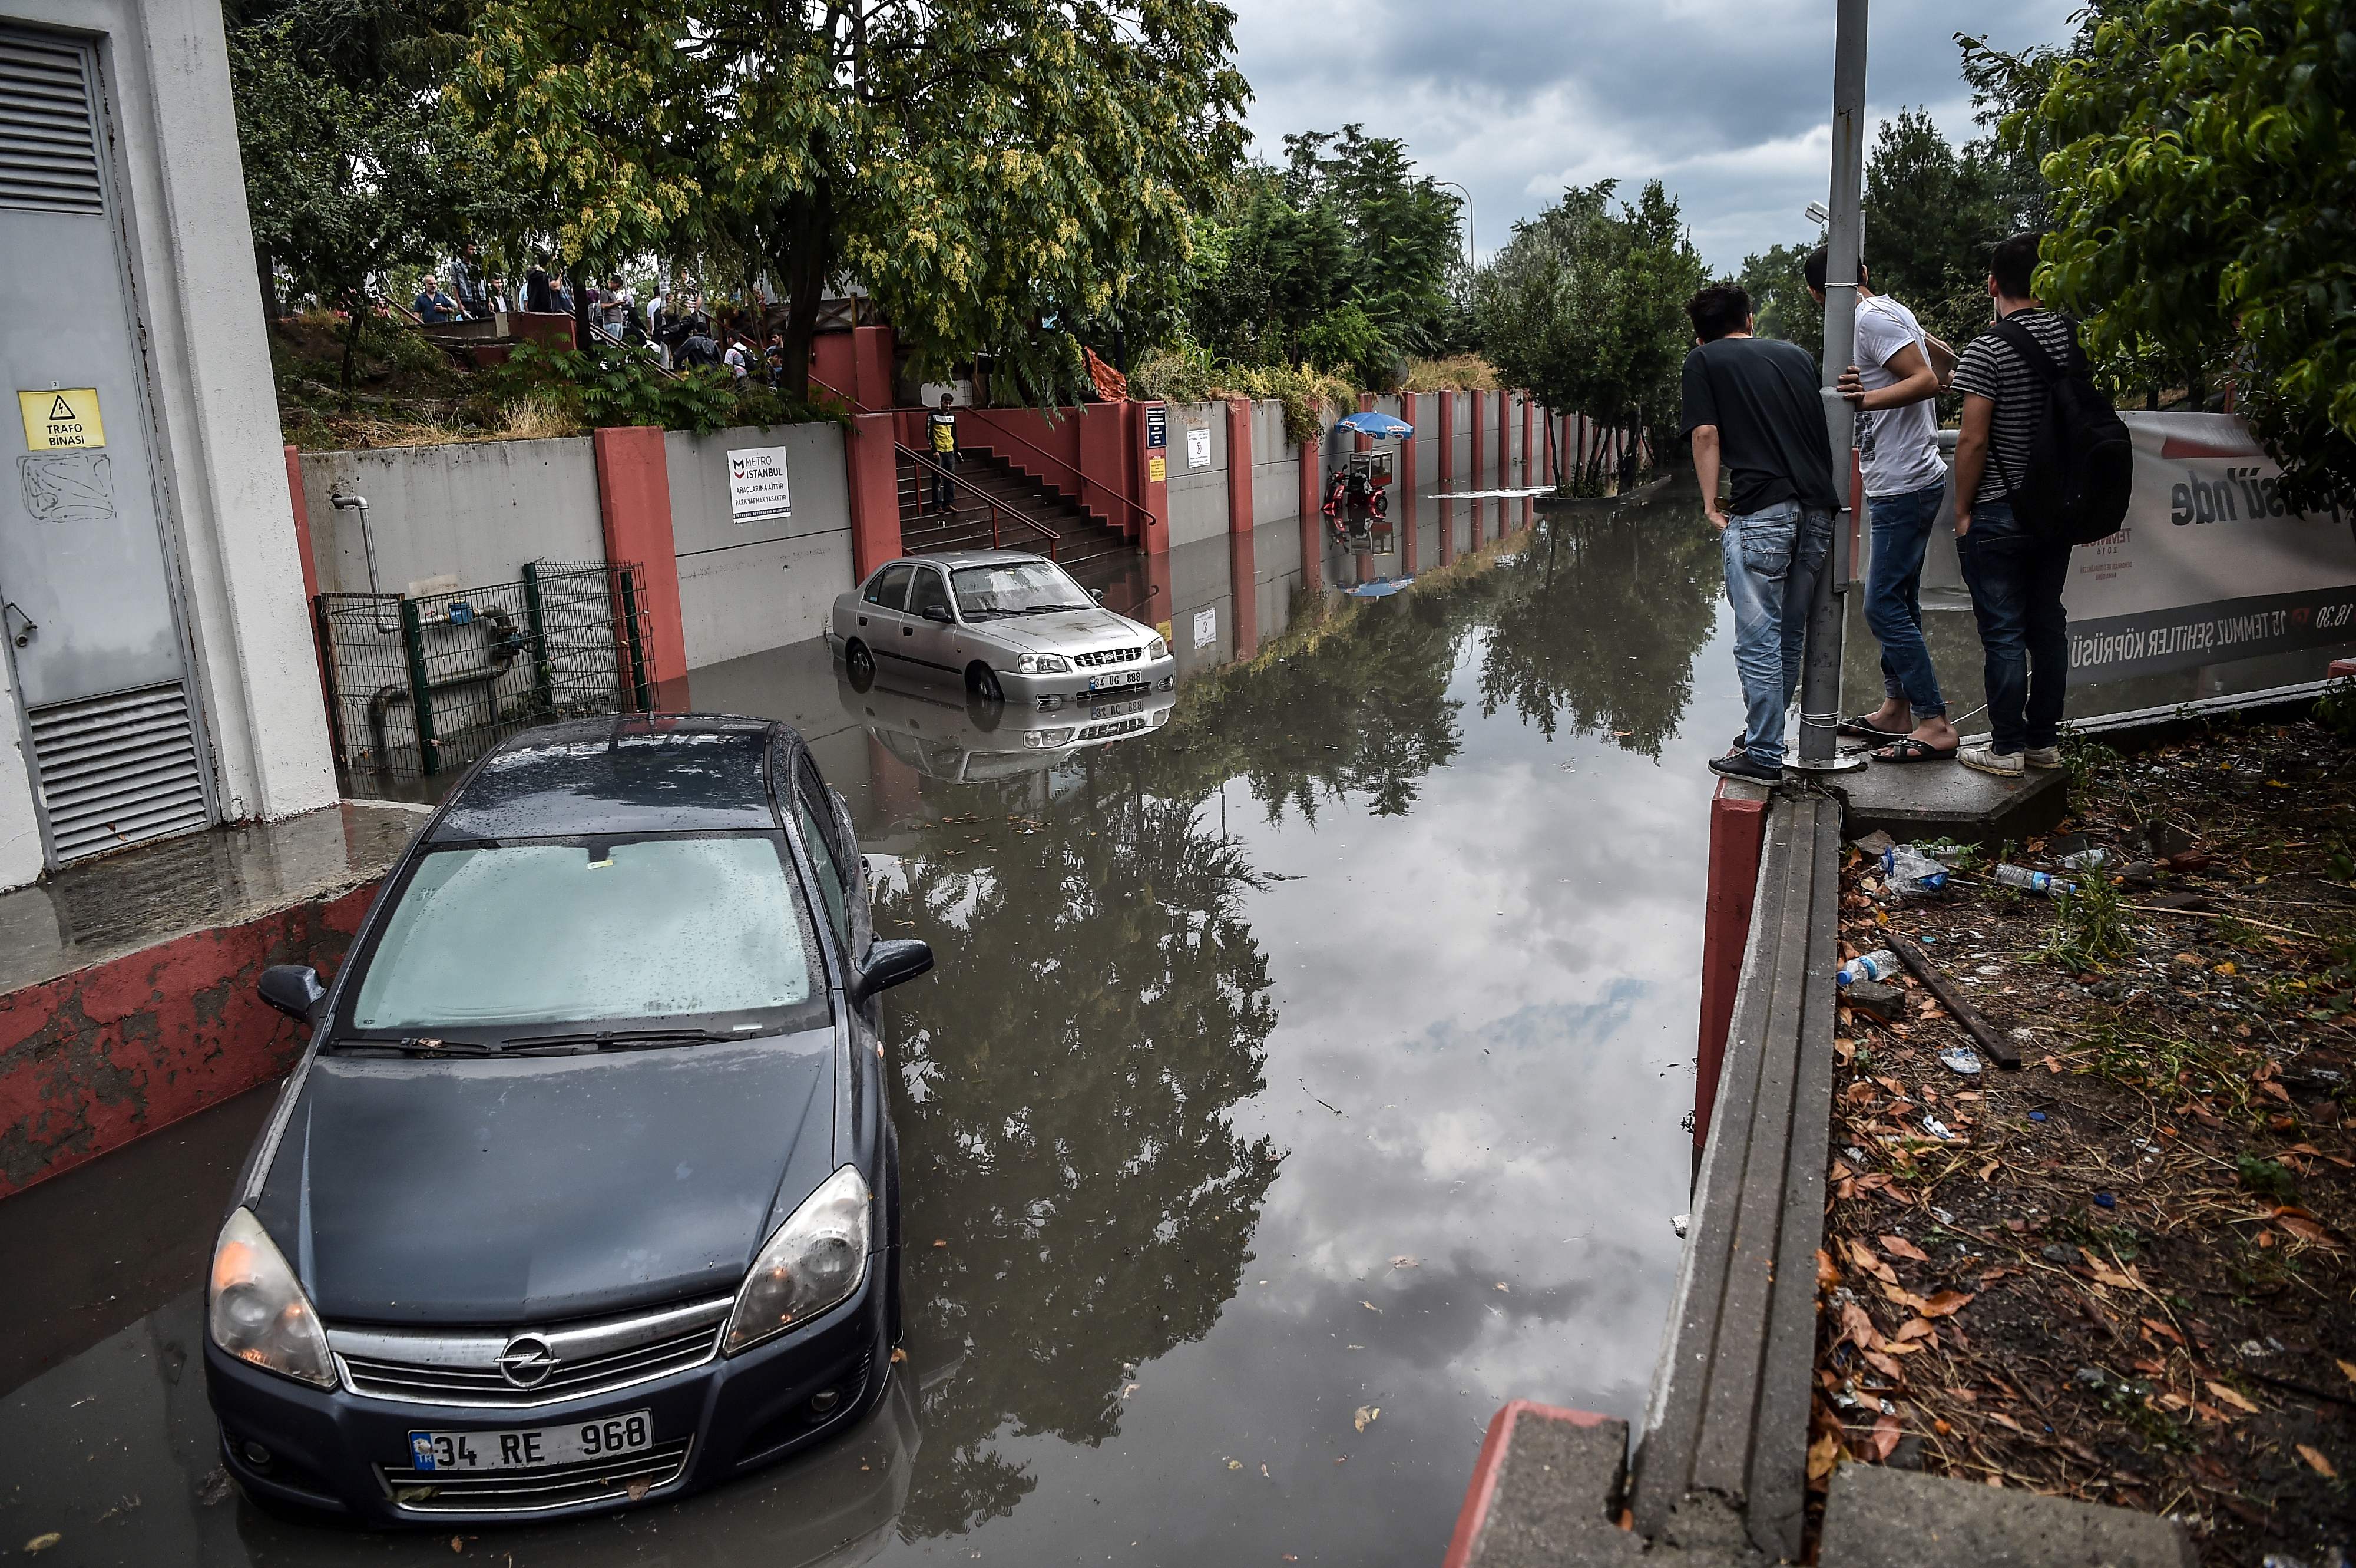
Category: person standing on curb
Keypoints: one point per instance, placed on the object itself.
(2016, 574)
(1751, 407)
(942, 426)
(1895, 395)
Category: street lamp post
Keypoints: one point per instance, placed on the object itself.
(1821, 672)
(1472, 242)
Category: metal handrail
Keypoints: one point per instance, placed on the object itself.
(923, 460)
(1146, 516)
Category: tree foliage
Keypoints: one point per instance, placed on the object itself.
(352, 167)
(1341, 259)
(1585, 306)
(2200, 153)
(993, 170)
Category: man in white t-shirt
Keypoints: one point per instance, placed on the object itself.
(1894, 386)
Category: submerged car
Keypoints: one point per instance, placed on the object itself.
(584, 1190)
(1013, 627)
(942, 738)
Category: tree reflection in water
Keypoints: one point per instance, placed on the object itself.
(1070, 1075)
(1596, 623)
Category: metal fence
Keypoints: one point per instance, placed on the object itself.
(424, 685)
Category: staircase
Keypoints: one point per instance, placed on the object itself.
(1098, 556)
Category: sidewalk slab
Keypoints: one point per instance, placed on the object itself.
(1946, 800)
(1876, 1516)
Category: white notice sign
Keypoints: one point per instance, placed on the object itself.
(1207, 626)
(1198, 447)
(758, 491)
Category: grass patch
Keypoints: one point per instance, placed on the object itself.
(2090, 926)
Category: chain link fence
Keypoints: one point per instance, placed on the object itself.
(422, 686)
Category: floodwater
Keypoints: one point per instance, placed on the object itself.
(1302, 1079)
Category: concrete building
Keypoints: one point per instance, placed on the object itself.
(160, 676)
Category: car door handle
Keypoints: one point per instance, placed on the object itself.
(862, 621)
(907, 631)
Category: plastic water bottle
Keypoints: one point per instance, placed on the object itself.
(1907, 870)
(1879, 964)
(2030, 881)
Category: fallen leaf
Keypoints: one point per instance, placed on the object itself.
(2004, 1421)
(1263, 1470)
(1885, 1366)
(1946, 1303)
(940, 1243)
(2164, 1330)
(1914, 1328)
(1501, 1285)
(457, 1544)
(1404, 1261)
(1234, 1464)
(2347, 1369)
(639, 1488)
(899, 1357)
(2307, 1230)
(1857, 1328)
(2317, 1463)
(2231, 1396)
(43, 1542)
(1827, 1273)
(1367, 1415)
(1823, 1454)
(1863, 1257)
(1885, 1436)
(1370, 1306)
(1901, 1247)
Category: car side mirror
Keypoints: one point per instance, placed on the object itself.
(1096, 594)
(889, 964)
(294, 989)
(939, 613)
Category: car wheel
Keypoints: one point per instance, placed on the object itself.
(860, 665)
(982, 682)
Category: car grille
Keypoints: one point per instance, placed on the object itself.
(461, 1367)
(1111, 727)
(1104, 656)
(631, 1476)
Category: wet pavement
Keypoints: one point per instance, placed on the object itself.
(1302, 1078)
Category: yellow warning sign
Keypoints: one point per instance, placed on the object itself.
(1156, 468)
(63, 417)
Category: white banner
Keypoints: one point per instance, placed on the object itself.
(2209, 566)
(757, 486)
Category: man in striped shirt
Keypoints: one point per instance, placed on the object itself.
(2015, 577)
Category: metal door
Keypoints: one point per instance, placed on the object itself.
(87, 590)
(928, 639)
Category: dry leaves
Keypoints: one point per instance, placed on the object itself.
(2317, 1462)
(2226, 1394)
(1367, 1415)
(1900, 1247)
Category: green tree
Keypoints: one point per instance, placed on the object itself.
(2199, 153)
(353, 169)
(994, 172)
(1586, 306)
(1780, 298)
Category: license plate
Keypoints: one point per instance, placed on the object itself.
(1110, 682)
(1119, 709)
(529, 1447)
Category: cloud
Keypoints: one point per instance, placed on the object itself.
(1727, 102)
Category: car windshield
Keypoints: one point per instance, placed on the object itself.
(1014, 588)
(588, 931)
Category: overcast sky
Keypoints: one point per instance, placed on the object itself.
(1727, 102)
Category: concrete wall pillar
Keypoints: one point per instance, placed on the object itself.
(873, 478)
(634, 509)
(1312, 522)
(1405, 505)
(1239, 465)
(1151, 495)
(1447, 474)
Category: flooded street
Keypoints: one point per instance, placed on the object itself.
(1301, 1079)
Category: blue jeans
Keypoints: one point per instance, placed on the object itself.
(1772, 560)
(1893, 602)
(2016, 581)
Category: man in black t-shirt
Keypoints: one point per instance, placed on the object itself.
(1751, 407)
(2015, 577)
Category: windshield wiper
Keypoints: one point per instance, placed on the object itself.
(618, 1039)
(421, 1046)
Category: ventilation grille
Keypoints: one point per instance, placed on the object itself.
(118, 769)
(49, 153)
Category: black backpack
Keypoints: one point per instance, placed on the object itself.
(2081, 463)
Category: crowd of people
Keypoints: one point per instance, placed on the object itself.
(1752, 411)
(681, 333)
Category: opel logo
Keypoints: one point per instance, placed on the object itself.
(527, 1360)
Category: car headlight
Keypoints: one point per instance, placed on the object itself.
(1155, 648)
(1043, 664)
(1045, 739)
(257, 1312)
(817, 1258)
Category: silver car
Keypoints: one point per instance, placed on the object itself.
(1011, 626)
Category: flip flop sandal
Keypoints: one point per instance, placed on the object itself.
(1864, 729)
(1912, 750)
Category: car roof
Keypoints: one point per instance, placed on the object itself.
(954, 558)
(637, 773)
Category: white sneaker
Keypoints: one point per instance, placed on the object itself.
(1987, 760)
(2046, 756)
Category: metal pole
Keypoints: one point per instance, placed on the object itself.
(1820, 677)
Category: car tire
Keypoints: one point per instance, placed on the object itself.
(982, 682)
(859, 664)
